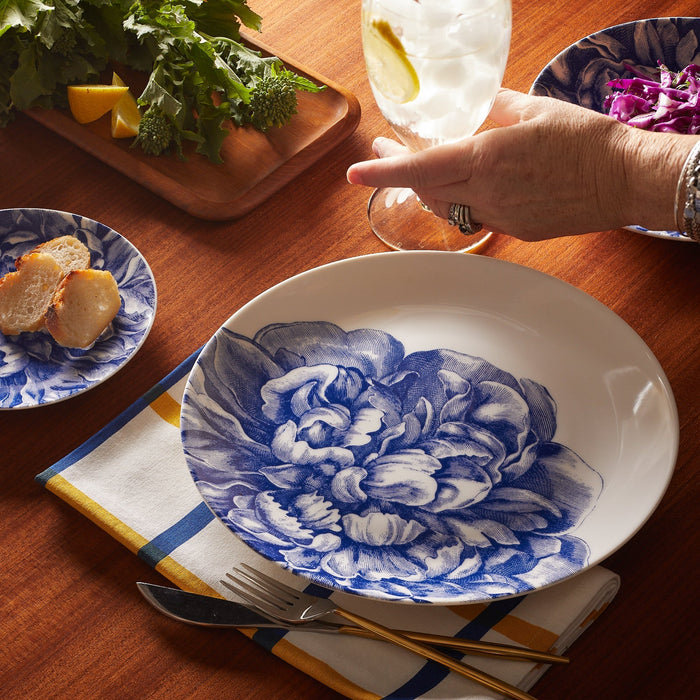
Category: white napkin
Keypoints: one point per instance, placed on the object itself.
(132, 480)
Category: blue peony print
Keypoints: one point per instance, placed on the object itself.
(427, 476)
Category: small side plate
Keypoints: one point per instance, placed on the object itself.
(34, 369)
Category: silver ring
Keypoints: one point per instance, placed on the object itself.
(459, 216)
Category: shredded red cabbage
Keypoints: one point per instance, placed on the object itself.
(671, 103)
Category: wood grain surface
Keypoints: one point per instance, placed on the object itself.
(72, 622)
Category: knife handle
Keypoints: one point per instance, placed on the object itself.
(470, 646)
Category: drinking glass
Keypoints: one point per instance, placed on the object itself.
(435, 67)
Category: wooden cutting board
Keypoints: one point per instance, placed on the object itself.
(255, 165)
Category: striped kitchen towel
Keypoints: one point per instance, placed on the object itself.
(132, 480)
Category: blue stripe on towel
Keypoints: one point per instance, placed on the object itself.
(433, 673)
(169, 540)
(267, 637)
(493, 614)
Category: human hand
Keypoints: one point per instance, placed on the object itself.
(554, 169)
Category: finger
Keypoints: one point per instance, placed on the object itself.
(362, 173)
(383, 148)
(511, 107)
(400, 167)
(438, 202)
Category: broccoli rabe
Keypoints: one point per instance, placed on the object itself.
(204, 80)
(156, 133)
(273, 101)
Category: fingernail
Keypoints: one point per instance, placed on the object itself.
(351, 176)
(377, 146)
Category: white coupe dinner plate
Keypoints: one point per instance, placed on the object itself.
(34, 369)
(429, 427)
(580, 73)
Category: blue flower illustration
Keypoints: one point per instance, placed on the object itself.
(408, 477)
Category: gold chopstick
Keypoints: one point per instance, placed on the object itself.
(428, 652)
(470, 646)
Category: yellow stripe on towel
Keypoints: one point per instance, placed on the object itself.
(167, 408)
(525, 633)
(183, 578)
(95, 512)
(516, 629)
(594, 615)
(172, 570)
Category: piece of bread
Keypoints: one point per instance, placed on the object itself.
(84, 305)
(26, 294)
(70, 253)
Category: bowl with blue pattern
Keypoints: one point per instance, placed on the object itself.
(580, 73)
(34, 369)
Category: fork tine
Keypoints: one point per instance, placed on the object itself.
(257, 587)
(270, 583)
(254, 601)
(255, 594)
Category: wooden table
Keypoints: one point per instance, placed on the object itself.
(73, 623)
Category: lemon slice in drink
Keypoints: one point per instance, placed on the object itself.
(89, 102)
(125, 114)
(389, 69)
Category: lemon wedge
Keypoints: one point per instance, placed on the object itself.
(387, 64)
(125, 114)
(89, 102)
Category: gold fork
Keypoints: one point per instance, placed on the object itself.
(288, 604)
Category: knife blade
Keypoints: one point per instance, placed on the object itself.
(209, 611)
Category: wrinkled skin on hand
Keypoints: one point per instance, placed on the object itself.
(345, 459)
(552, 169)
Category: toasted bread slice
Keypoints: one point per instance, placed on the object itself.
(26, 294)
(70, 253)
(84, 305)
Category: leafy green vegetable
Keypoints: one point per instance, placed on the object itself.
(201, 77)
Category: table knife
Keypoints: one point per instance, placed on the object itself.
(210, 611)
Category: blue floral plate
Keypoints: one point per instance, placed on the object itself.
(34, 369)
(580, 73)
(429, 427)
